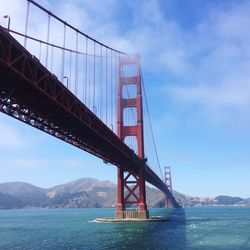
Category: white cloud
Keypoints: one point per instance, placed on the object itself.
(225, 95)
(218, 78)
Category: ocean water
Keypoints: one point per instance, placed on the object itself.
(226, 228)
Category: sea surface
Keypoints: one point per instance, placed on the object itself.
(226, 228)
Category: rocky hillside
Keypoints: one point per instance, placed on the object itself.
(89, 192)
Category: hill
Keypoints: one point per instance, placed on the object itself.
(228, 200)
(89, 192)
(24, 192)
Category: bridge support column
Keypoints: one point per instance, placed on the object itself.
(131, 198)
(120, 195)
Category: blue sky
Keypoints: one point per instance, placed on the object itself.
(195, 58)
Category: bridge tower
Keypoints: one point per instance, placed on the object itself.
(131, 187)
(168, 182)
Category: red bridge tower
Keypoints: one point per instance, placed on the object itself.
(131, 187)
(168, 182)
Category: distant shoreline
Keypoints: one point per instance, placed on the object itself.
(93, 193)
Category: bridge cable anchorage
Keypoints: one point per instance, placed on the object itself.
(151, 127)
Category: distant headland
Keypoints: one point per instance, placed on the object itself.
(89, 193)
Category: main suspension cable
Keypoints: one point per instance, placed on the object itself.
(151, 128)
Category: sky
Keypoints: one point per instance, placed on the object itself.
(195, 57)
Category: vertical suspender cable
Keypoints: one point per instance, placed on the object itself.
(63, 52)
(40, 51)
(116, 83)
(70, 68)
(101, 86)
(90, 84)
(26, 24)
(106, 86)
(119, 77)
(94, 107)
(47, 47)
(76, 65)
(51, 62)
(111, 89)
(86, 72)
(83, 79)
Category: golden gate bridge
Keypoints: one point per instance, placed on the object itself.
(85, 93)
